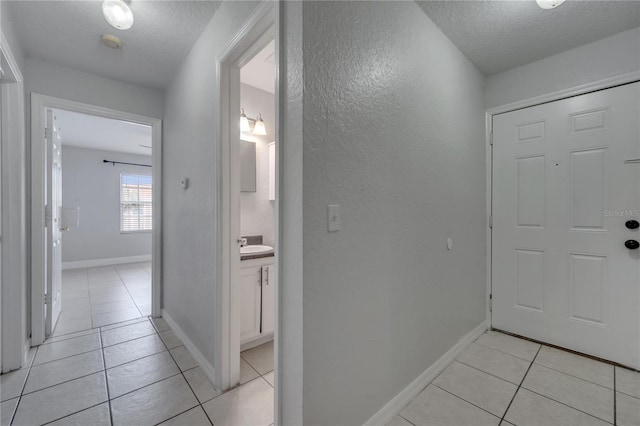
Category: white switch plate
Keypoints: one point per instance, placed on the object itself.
(333, 217)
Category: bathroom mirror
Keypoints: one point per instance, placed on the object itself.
(247, 166)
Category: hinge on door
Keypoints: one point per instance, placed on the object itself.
(490, 221)
(47, 298)
(491, 303)
(491, 138)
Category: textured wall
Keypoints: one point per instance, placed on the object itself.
(609, 57)
(256, 211)
(54, 80)
(394, 133)
(189, 217)
(93, 186)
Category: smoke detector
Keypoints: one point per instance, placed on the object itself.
(111, 41)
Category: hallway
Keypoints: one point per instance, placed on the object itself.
(132, 373)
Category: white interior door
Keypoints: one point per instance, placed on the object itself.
(562, 197)
(53, 209)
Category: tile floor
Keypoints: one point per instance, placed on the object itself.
(131, 373)
(503, 380)
(95, 297)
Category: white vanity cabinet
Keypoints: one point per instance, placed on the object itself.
(256, 294)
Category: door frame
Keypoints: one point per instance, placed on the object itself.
(260, 28)
(39, 104)
(582, 89)
(14, 341)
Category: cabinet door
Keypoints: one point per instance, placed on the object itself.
(268, 298)
(250, 282)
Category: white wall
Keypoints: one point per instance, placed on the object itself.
(256, 211)
(55, 80)
(94, 186)
(394, 133)
(610, 57)
(189, 216)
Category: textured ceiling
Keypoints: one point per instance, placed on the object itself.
(68, 33)
(92, 132)
(260, 71)
(500, 35)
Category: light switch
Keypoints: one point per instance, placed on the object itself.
(333, 217)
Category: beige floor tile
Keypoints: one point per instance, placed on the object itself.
(477, 387)
(72, 326)
(132, 350)
(247, 372)
(153, 404)
(11, 383)
(62, 370)
(500, 364)
(627, 410)
(62, 400)
(65, 348)
(170, 339)
(194, 417)
(71, 335)
(142, 372)
(201, 386)
(129, 332)
(260, 357)
(122, 324)
(7, 408)
(512, 345)
(576, 365)
(398, 421)
(271, 378)
(249, 404)
(628, 382)
(183, 358)
(577, 393)
(94, 416)
(117, 316)
(530, 409)
(434, 406)
(160, 324)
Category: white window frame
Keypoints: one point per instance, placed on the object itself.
(134, 231)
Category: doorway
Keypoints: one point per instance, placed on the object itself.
(111, 258)
(565, 214)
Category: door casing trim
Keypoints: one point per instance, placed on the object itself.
(39, 103)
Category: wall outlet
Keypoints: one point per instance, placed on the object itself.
(184, 183)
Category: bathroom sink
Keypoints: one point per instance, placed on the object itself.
(257, 249)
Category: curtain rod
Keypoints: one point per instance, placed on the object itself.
(113, 163)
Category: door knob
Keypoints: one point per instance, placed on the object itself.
(631, 244)
(632, 224)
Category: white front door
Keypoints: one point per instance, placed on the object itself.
(562, 197)
(53, 223)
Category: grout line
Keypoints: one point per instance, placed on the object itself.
(63, 382)
(500, 350)
(519, 386)
(462, 399)
(24, 384)
(566, 405)
(106, 379)
(69, 415)
(486, 372)
(408, 421)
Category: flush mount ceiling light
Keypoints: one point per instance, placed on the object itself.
(549, 4)
(255, 126)
(117, 14)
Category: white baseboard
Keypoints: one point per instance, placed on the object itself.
(255, 342)
(203, 363)
(397, 403)
(92, 263)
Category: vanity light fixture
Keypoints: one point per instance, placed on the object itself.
(255, 126)
(118, 14)
(549, 4)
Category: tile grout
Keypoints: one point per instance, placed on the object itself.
(460, 398)
(520, 385)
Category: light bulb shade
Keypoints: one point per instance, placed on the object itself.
(259, 128)
(549, 4)
(117, 14)
(244, 122)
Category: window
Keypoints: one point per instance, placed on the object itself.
(135, 203)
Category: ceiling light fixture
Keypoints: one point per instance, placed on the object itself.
(549, 4)
(117, 14)
(255, 126)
